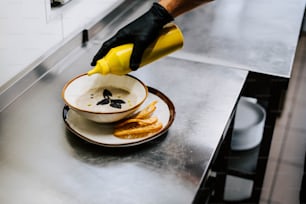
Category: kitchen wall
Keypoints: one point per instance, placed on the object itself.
(29, 29)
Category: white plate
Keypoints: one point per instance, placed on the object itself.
(102, 133)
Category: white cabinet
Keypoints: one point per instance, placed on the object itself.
(29, 29)
(84, 13)
(25, 35)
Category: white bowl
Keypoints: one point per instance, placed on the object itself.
(104, 98)
(248, 125)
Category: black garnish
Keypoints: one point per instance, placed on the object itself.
(115, 103)
(107, 93)
(103, 101)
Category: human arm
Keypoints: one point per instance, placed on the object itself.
(178, 7)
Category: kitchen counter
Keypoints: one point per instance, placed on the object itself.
(259, 36)
(42, 162)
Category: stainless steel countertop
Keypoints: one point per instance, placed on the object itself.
(42, 162)
(256, 35)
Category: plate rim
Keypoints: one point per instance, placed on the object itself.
(151, 90)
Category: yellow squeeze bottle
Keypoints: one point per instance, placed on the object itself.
(117, 60)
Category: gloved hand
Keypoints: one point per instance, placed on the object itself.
(141, 32)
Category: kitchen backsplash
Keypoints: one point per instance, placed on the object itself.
(30, 28)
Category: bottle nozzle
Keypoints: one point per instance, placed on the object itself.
(101, 68)
(91, 72)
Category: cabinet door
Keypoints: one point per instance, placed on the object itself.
(25, 36)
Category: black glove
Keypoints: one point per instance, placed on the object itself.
(141, 32)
